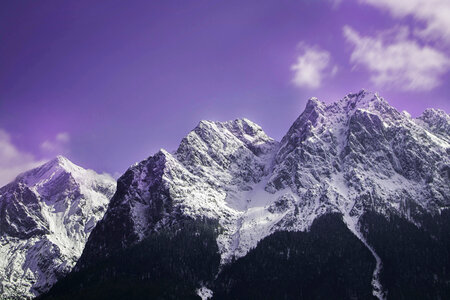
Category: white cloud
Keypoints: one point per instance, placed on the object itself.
(434, 13)
(12, 161)
(394, 60)
(59, 145)
(334, 70)
(311, 67)
(63, 137)
(335, 3)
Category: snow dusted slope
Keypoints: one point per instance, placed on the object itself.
(357, 155)
(352, 156)
(360, 154)
(215, 165)
(46, 216)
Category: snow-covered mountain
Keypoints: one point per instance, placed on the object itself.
(384, 173)
(46, 216)
(350, 157)
(213, 174)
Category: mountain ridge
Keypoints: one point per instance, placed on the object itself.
(352, 156)
(358, 160)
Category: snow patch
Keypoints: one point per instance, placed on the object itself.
(204, 293)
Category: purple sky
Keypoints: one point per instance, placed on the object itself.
(108, 83)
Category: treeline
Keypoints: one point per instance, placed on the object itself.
(327, 262)
(169, 264)
(416, 260)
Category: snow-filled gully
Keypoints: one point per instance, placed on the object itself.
(376, 284)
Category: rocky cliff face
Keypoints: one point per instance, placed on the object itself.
(352, 157)
(46, 216)
(360, 154)
(214, 168)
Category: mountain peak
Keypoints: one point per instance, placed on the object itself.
(58, 162)
(436, 121)
(47, 215)
(64, 162)
(430, 113)
(314, 102)
(362, 99)
(61, 159)
(209, 134)
(48, 171)
(243, 123)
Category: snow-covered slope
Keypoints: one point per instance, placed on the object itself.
(360, 154)
(210, 173)
(355, 155)
(46, 216)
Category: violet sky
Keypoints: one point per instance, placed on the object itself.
(108, 83)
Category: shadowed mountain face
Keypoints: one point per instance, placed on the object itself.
(46, 216)
(347, 181)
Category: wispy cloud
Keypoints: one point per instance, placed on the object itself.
(59, 145)
(397, 61)
(311, 67)
(335, 3)
(434, 13)
(12, 161)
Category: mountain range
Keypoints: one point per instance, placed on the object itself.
(352, 203)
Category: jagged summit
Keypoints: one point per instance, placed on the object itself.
(436, 121)
(223, 138)
(243, 129)
(351, 100)
(215, 144)
(363, 100)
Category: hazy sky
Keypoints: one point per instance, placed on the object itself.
(108, 83)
